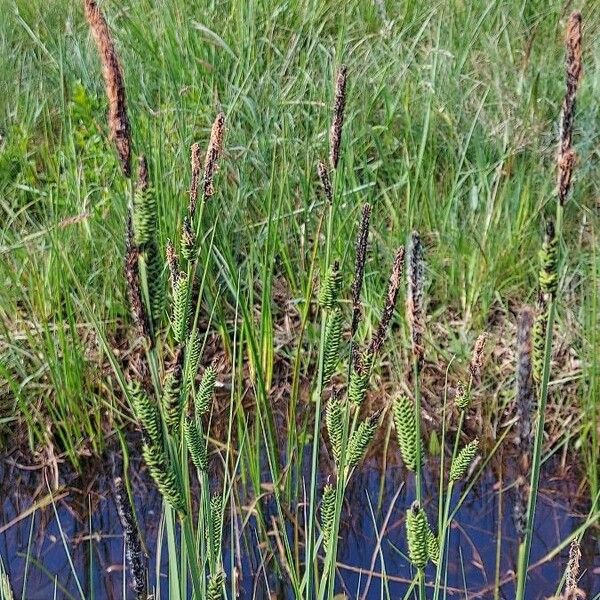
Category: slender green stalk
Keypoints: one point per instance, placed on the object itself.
(312, 498)
(525, 546)
(419, 465)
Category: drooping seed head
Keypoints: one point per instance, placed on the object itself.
(214, 591)
(360, 439)
(145, 228)
(205, 391)
(216, 522)
(196, 444)
(164, 477)
(145, 215)
(146, 413)
(360, 375)
(433, 547)
(181, 308)
(193, 351)
(171, 394)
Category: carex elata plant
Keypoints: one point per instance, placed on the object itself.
(168, 402)
(548, 284)
(424, 545)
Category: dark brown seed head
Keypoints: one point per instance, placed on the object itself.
(572, 591)
(133, 545)
(390, 303)
(213, 153)
(325, 180)
(414, 299)
(118, 121)
(477, 357)
(196, 170)
(337, 122)
(359, 270)
(566, 166)
(566, 154)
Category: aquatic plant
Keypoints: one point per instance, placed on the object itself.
(548, 280)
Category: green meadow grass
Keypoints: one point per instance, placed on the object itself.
(451, 127)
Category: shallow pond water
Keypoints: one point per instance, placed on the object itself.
(84, 521)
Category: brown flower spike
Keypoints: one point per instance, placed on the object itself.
(359, 271)
(477, 358)
(388, 311)
(566, 155)
(415, 313)
(337, 123)
(325, 180)
(195, 183)
(118, 122)
(213, 153)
